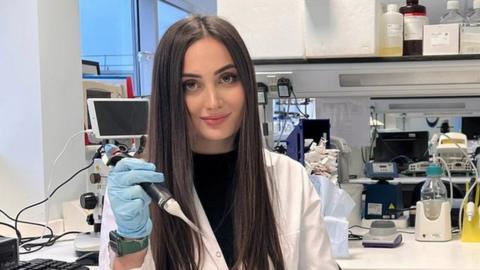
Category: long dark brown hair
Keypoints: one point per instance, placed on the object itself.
(174, 246)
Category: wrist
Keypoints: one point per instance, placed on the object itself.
(124, 246)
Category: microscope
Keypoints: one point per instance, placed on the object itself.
(89, 242)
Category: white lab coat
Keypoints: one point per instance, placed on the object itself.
(303, 238)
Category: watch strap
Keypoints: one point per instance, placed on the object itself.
(123, 246)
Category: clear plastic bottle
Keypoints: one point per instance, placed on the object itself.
(391, 42)
(475, 16)
(414, 18)
(433, 192)
(453, 14)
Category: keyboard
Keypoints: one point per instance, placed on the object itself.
(46, 264)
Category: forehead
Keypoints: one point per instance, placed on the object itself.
(206, 54)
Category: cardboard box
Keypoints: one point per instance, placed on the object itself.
(342, 28)
(470, 39)
(441, 39)
(271, 29)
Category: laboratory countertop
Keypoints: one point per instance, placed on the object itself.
(410, 180)
(61, 250)
(410, 255)
(413, 255)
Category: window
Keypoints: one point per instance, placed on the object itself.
(167, 15)
(107, 35)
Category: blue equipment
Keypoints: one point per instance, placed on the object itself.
(307, 129)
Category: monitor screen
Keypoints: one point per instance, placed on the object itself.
(401, 147)
(119, 118)
(471, 127)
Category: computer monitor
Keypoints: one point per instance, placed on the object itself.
(113, 118)
(401, 147)
(471, 127)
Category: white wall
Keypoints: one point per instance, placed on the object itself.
(41, 103)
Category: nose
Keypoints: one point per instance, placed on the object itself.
(213, 97)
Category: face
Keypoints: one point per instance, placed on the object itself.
(214, 96)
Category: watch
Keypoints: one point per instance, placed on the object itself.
(123, 246)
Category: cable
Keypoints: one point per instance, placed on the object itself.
(284, 124)
(444, 163)
(53, 192)
(17, 232)
(298, 108)
(50, 242)
(26, 222)
(52, 173)
(471, 188)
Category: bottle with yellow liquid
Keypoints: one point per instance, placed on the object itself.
(391, 33)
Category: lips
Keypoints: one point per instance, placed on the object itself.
(214, 120)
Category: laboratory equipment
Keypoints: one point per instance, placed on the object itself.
(391, 39)
(307, 129)
(383, 200)
(414, 18)
(110, 118)
(8, 252)
(402, 148)
(451, 147)
(284, 87)
(114, 118)
(382, 234)
(262, 93)
(418, 167)
(343, 158)
(159, 194)
(471, 224)
(381, 170)
(475, 16)
(89, 242)
(453, 14)
(471, 125)
(432, 218)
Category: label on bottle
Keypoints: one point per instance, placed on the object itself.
(413, 24)
(470, 39)
(394, 30)
(440, 39)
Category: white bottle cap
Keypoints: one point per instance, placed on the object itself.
(476, 4)
(394, 7)
(453, 4)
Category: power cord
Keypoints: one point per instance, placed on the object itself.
(25, 222)
(471, 188)
(52, 239)
(298, 108)
(51, 194)
(17, 232)
(52, 173)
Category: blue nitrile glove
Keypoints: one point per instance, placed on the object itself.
(128, 200)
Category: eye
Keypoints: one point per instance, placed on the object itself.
(190, 85)
(228, 78)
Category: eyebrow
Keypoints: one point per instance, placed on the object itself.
(216, 72)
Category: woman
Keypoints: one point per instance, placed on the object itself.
(255, 209)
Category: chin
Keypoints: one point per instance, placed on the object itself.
(217, 136)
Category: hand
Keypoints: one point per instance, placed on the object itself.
(128, 200)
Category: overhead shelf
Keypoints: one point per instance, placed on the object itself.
(367, 59)
(411, 76)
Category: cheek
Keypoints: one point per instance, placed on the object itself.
(237, 99)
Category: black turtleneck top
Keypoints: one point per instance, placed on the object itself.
(213, 177)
